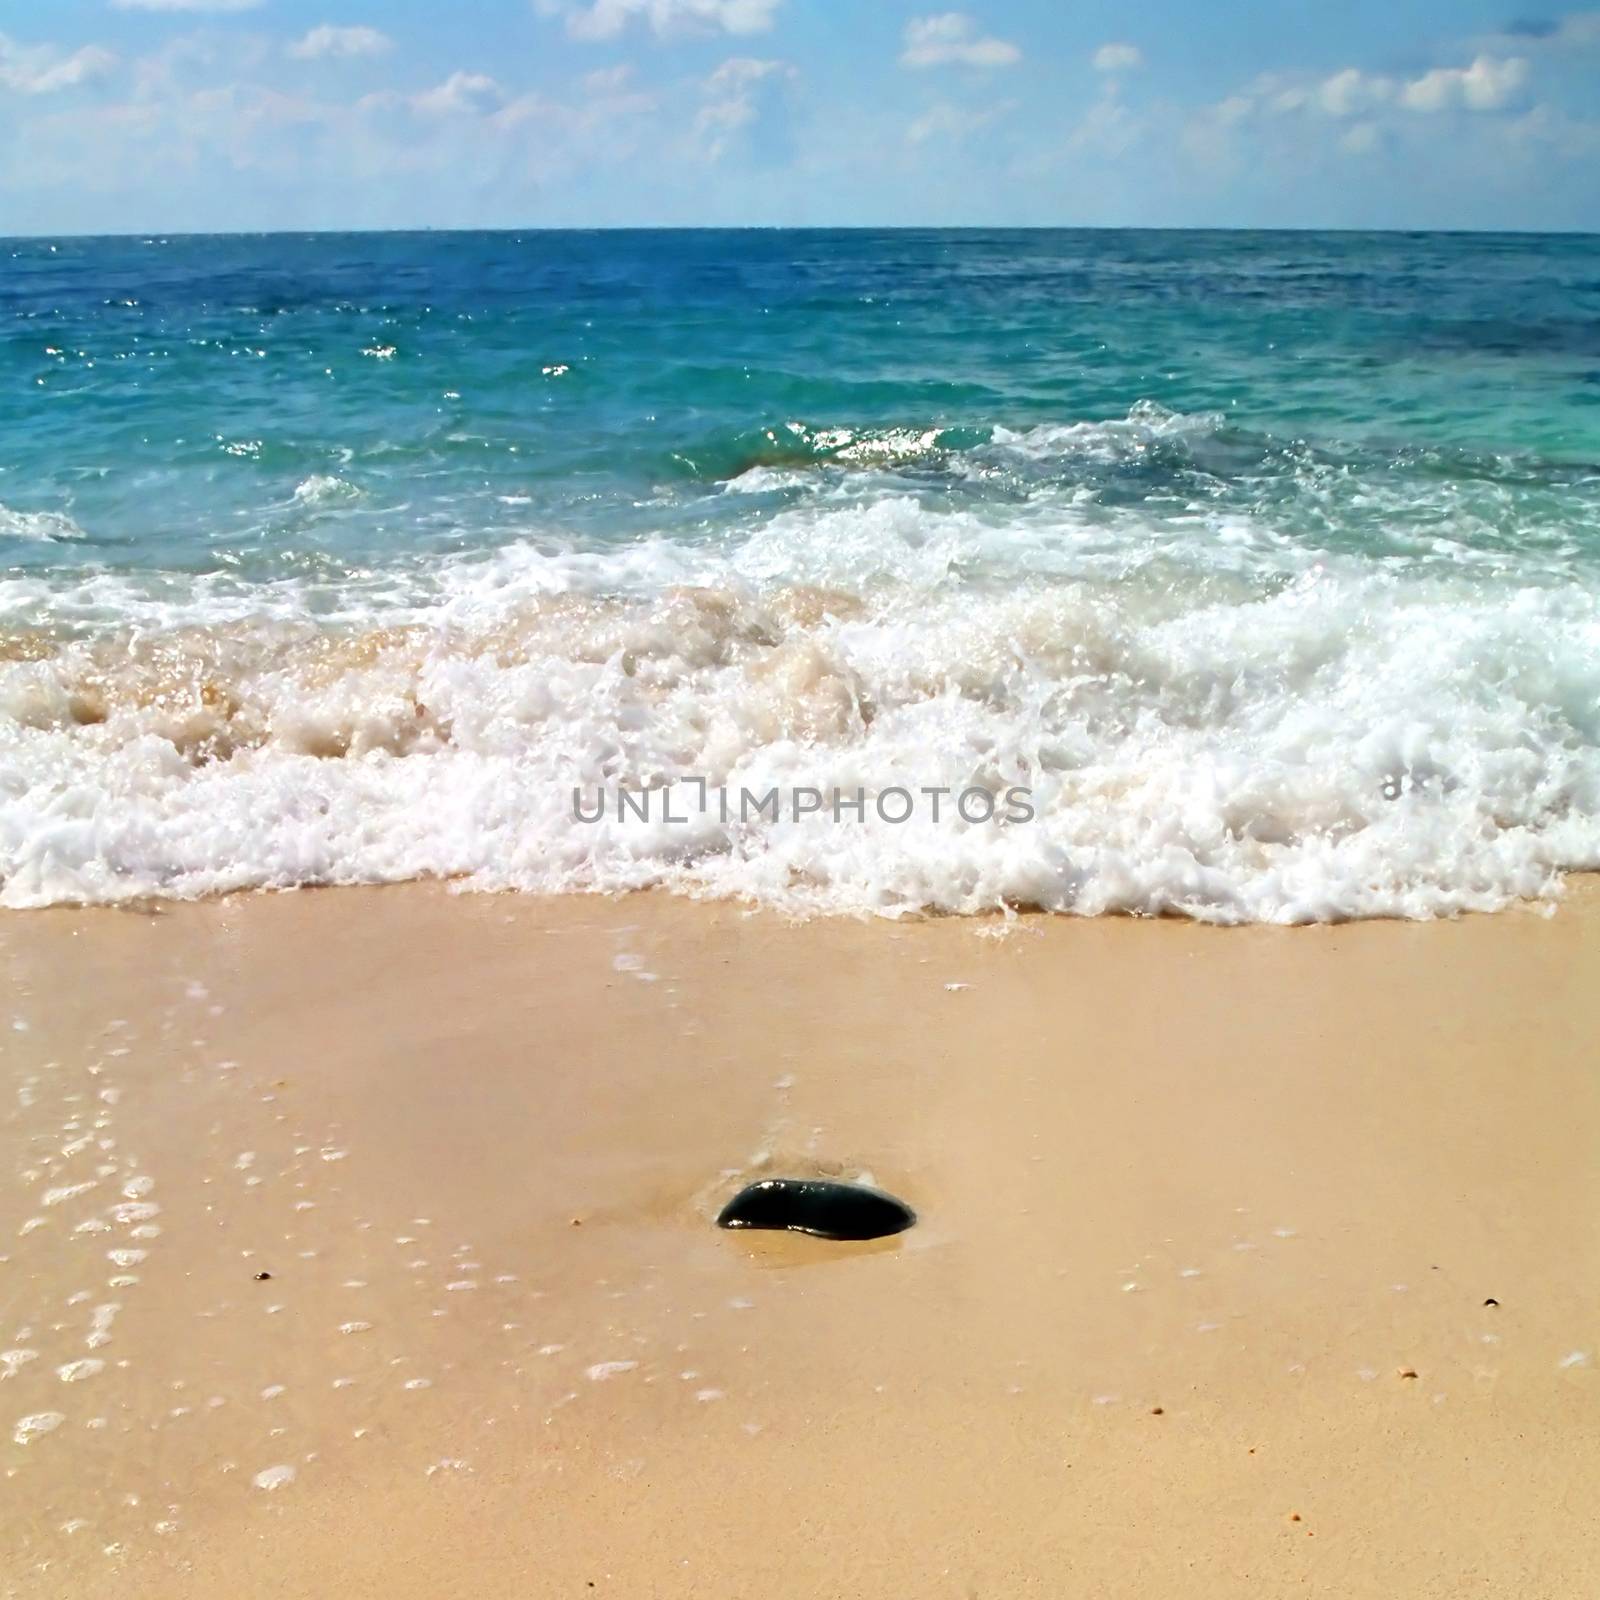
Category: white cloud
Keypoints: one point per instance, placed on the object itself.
(1487, 85)
(594, 123)
(1350, 91)
(612, 94)
(952, 38)
(733, 100)
(606, 19)
(1118, 58)
(1552, 130)
(42, 69)
(1361, 139)
(608, 80)
(945, 121)
(184, 5)
(1107, 128)
(1341, 95)
(462, 93)
(331, 41)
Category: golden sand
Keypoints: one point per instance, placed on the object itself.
(1197, 1305)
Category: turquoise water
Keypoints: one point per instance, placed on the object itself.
(1266, 560)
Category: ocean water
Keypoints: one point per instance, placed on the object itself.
(1267, 563)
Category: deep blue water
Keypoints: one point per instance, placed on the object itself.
(170, 395)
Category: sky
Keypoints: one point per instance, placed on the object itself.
(218, 115)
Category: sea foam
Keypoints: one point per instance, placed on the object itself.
(1215, 717)
(46, 526)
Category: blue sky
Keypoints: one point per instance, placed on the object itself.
(138, 115)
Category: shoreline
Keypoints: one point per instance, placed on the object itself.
(1195, 1204)
(1574, 886)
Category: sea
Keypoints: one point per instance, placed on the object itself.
(1263, 564)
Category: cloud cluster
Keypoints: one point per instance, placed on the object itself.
(330, 41)
(461, 94)
(1487, 83)
(953, 39)
(945, 121)
(733, 101)
(1118, 58)
(211, 6)
(42, 69)
(167, 131)
(607, 19)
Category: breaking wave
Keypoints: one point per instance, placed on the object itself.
(1223, 709)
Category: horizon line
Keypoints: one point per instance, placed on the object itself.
(809, 227)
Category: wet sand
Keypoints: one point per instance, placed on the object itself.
(1196, 1307)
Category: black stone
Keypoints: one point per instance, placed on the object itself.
(817, 1206)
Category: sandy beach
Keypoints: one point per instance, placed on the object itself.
(360, 1242)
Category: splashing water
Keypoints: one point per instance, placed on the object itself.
(1265, 563)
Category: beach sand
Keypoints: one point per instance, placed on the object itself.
(1197, 1304)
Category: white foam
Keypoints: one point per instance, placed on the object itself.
(47, 526)
(768, 480)
(324, 489)
(100, 1322)
(13, 1361)
(32, 1427)
(1214, 718)
(1116, 439)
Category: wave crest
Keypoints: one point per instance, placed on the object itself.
(1290, 738)
(46, 526)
